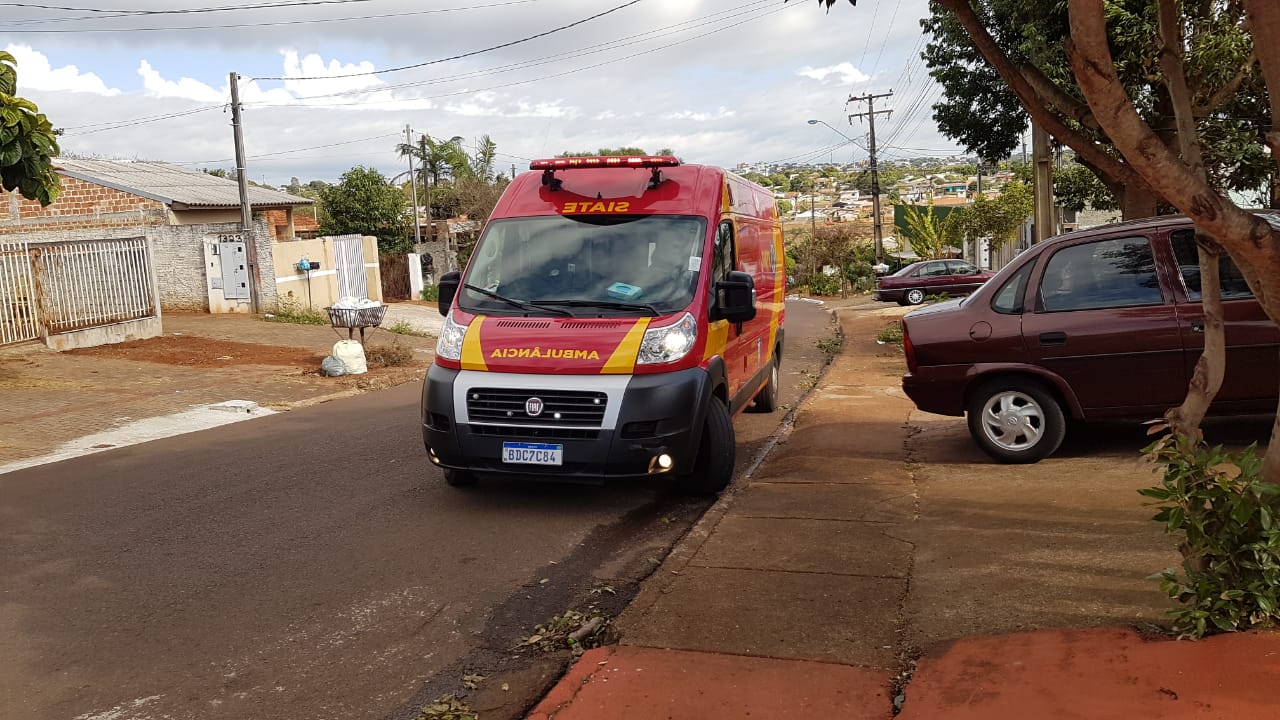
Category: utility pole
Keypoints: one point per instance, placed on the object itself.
(870, 115)
(242, 179)
(413, 184)
(1043, 159)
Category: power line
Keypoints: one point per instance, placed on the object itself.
(463, 55)
(622, 42)
(520, 82)
(103, 127)
(256, 24)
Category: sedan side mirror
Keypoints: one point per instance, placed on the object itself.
(448, 288)
(736, 297)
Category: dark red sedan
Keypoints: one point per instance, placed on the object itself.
(913, 283)
(1099, 324)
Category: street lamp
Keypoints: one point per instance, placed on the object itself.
(846, 137)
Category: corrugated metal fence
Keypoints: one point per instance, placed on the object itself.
(77, 285)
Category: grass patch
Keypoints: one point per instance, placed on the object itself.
(393, 355)
(400, 327)
(831, 345)
(292, 312)
(891, 334)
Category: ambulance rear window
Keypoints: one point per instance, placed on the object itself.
(614, 260)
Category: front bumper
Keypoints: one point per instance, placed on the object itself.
(648, 415)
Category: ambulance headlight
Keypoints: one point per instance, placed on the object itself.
(668, 343)
(449, 346)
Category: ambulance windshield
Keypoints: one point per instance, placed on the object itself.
(593, 266)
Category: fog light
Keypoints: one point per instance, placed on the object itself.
(661, 463)
(431, 455)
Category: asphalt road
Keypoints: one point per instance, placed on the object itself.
(312, 565)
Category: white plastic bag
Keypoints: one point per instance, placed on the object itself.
(351, 353)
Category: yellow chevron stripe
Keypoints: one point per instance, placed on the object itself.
(717, 338)
(623, 359)
(472, 352)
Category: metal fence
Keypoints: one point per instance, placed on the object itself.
(52, 288)
(18, 320)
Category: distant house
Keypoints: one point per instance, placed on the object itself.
(114, 193)
(181, 214)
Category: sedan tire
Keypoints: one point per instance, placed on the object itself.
(1016, 420)
(914, 296)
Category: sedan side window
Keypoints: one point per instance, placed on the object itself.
(1104, 274)
(960, 267)
(1184, 249)
(1008, 299)
(934, 269)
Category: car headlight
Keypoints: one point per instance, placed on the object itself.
(668, 343)
(449, 346)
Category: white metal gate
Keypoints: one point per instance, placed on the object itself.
(349, 253)
(18, 320)
(89, 284)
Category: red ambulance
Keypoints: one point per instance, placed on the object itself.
(616, 314)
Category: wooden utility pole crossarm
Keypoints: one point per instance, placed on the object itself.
(870, 115)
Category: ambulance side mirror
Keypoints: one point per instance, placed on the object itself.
(448, 288)
(736, 297)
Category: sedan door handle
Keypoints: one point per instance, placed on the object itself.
(1053, 339)
(1197, 327)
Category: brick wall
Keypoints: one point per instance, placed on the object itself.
(178, 258)
(81, 205)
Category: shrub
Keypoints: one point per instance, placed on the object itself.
(1229, 520)
(291, 311)
(393, 355)
(431, 292)
(891, 334)
(821, 284)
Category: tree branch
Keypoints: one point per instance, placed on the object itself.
(1264, 25)
(1034, 103)
(1225, 92)
(1096, 75)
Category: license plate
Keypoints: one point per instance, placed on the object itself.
(518, 453)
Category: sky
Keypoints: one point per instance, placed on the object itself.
(327, 85)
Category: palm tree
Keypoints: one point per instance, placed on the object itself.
(437, 160)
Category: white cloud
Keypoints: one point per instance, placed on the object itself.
(184, 88)
(35, 73)
(845, 73)
(336, 76)
(721, 114)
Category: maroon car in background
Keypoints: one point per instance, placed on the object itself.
(913, 283)
(1099, 324)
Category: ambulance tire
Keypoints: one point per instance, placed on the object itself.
(766, 401)
(713, 468)
(458, 478)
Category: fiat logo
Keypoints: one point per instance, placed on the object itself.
(533, 407)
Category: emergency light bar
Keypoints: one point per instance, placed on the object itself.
(608, 161)
(551, 165)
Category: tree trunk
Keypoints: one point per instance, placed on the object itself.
(1250, 239)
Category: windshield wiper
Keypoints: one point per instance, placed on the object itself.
(611, 304)
(525, 305)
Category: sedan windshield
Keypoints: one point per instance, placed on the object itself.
(588, 266)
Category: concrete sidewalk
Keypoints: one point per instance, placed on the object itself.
(876, 564)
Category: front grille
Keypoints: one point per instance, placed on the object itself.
(541, 433)
(567, 408)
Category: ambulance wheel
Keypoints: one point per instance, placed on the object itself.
(766, 401)
(713, 469)
(458, 478)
